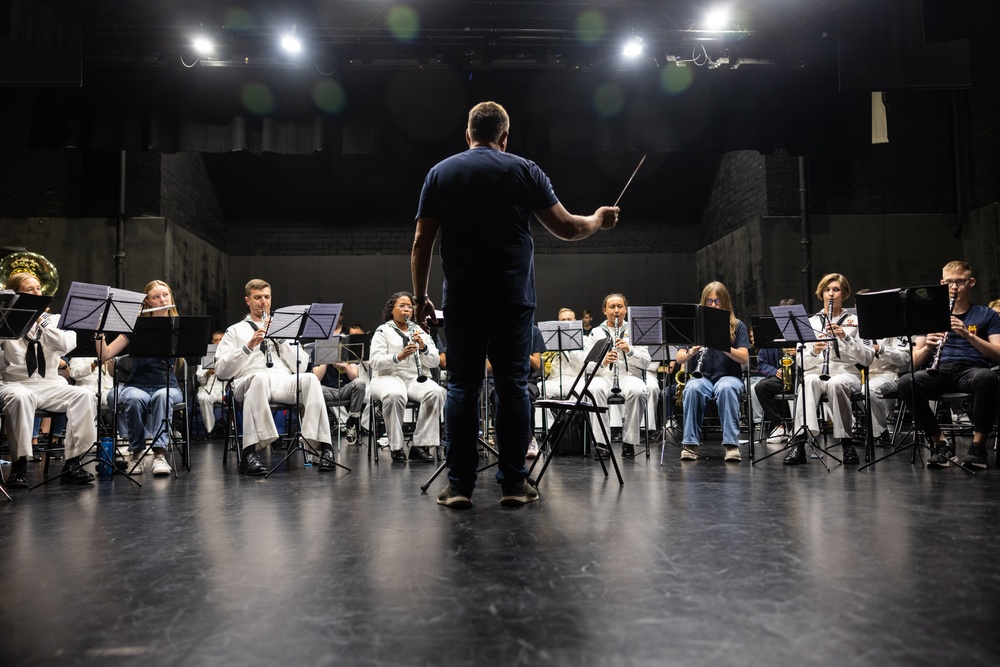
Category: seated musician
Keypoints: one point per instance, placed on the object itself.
(151, 390)
(722, 379)
(765, 392)
(831, 368)
(621, 368)
(209, 390)
(534, 372)
(341, 382)
(31, 381)
(967, 352)
(563, 367)
(84, 372)
(263, 371)
(401, 353)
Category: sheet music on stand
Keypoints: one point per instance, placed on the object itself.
(645, 327)
(562, 335)
(18, 311)
(208, 361)
(91, 307)
(795, 325)
(327, 351)
(297, 322)
(356, 348)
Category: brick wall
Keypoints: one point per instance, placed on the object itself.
(738, 195)
(188, 198)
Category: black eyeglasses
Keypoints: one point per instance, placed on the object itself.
(958, 282)
(717, 302)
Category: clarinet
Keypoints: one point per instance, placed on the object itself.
(616, 397)
(269, 361)
(825, 373)
(697, 374)
(933, 368)
(416, 355)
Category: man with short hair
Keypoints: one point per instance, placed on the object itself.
(483, 201)
(263, 371)
(967, 352)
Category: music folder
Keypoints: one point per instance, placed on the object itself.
(908, 311)
(18, 311)
(687, 324)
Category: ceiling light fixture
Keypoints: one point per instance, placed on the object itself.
(633, 47)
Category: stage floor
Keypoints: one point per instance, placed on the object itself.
(688, 564)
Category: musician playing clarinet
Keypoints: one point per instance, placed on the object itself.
(263, 371)
(831, 367)
(967, 352)
(621, 373)
(721, 379)
(401, 353)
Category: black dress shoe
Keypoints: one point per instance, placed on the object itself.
(850, 453)
(600, 454)
(796, 455)
(628, 451)
(78, 476)
(398, 455)
(327, 462)
(18, 479)
(251, 465)
(420, 454)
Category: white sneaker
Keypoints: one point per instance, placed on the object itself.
(160, 466)
(733, 454)
(777, 435)
(136, 464)
(689, 453)
(532, 449)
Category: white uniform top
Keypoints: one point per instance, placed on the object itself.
(235, 361)
(55, 343)
(387, 342)
(853, 350)
(637, 360)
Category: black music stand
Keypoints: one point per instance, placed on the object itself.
(18, 311)
(96, 310)
(562, 336)
(646, 323)
(170, 338)
(688, 324)
(906, 312)
(297, 324)
(793, 321)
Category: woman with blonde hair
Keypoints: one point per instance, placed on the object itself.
(151, 390)
(722, 380)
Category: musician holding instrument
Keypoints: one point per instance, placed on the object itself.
(483, 201)
(263, 371)
(964, 356)
(831, 367)
(147, 402)
(209, 390)
(401, 353)
(621, 375)
(721, 379)
(777, 366)
(29, 369)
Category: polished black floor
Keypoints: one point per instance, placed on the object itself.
(700, 563)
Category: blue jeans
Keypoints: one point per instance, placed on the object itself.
(726, 393)
(153, 402)
(506, 335)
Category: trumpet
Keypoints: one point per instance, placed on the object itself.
(265, 347)
(416, 355)
(825, 373)
(940, 346)
(616, 397)
(696, 373)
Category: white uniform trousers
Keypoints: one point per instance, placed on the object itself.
(207, 400)
(881, 407)
(394, 392)
(21, 400)
(839, 389)
(635, 391)
(257, 392)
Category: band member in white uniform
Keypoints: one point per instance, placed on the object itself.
(263, 371)
(209, 390)
(29, 368)
(892, 357)
(563, 367)
(840, 358)
(400, 353)
(630, 361)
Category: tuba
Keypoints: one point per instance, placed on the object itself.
(33, 263)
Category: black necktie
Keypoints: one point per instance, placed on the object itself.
(34, 357)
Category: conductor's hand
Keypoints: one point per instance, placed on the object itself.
(424, 313)
(608, 215)
(255, 340)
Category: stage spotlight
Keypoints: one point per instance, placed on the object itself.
(291, 43)
(203, 46)
(717, 19)
(633, 47)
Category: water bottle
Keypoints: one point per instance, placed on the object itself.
(105, 465)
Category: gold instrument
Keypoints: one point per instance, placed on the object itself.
(33, 263)
(616, 397)
(680, 378)
(825, 373)
(937, 353)
(787, 371)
